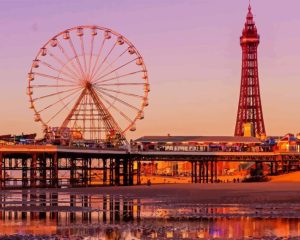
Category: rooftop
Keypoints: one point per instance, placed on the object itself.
(214, 139)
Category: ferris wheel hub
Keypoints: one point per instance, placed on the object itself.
(87, 84)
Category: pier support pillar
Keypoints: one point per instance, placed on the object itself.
(111, 172)
(206, 172)
(90, 172)
(55, 171)
(42, 161)
(1, 174)
(72, 172)
(195, 172)
(131, 172)
(216, 171)
(212, 171)
(199, 172)
(192, 171)
(125, 172)
(84, 171)
(288, 166)
(271, 168)
(276, 168)
(33, 169)
(24, 173)
(104, 171)
(202, 172)
(138, 176)
(117, 172)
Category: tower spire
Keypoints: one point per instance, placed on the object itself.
(249, 108)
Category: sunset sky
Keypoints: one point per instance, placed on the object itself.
(190, 47)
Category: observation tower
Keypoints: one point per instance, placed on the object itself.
(250, 107)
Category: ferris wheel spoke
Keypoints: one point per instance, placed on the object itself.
(117, 77)
(64, 107)
(55, 78)
(68, 58)
(83, 54)
(91, 54)
(121, 84)
(121, 92)
(114, 61)
(75, 75)
(53, 104)
(76, 56)
(54, 94)
(112, 71)
(50, 86)
(57, 70)
(97, 58)
(118, 99)
(114, 107)
(104, 60)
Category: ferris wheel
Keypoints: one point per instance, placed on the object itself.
(90, 80)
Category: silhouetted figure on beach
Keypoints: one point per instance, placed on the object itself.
(148, 182)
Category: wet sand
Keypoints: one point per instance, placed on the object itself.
(177, 211)
(218, 193)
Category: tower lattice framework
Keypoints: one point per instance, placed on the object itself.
(250, 107)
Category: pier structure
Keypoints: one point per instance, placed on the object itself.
(25, 166)
(29, 166)
(205, 165)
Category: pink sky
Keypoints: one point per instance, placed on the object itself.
(191, 49)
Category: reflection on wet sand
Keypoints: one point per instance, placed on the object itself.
(120, 217)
